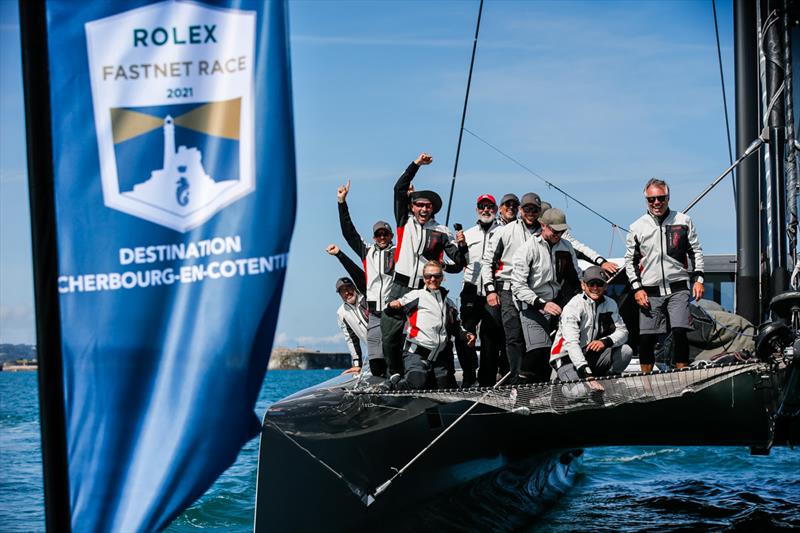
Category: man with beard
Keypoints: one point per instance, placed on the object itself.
(474, 311)
(378, 259)
(420, 239)
(542, 266)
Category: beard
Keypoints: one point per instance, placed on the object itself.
(486, 218)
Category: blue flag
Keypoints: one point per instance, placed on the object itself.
(174, 171)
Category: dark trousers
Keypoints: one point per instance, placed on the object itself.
(420, 373)
(515, 341)
(392, 322)
(476, 315)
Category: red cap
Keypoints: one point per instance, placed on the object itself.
(483, 197)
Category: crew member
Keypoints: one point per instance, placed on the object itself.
(583, 251)
(543, 267)
(662, 257)
(378, 259)
(509, 205)
(420, 239)
(474, 311)
(352, 317)
(496, 268)
(432, 319)
(591, 335)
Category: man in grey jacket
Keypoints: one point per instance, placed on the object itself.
(662, 257)
(591, 334)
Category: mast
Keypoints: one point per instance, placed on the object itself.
(776, 122)
(747, 195)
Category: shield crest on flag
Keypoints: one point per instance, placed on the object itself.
(172, 93)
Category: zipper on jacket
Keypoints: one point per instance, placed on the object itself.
(661, 237)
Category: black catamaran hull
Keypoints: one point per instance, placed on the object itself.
(342, 446)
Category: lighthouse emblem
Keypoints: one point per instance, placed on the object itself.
(174, 116)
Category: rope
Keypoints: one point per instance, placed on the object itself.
(724, 100)
(464, 114)
(381, 488)
(545, 180)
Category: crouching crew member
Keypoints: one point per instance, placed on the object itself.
(378, 259)
(420, 239)
(474, 311)
(543, 269)
(660, 247)
(432, 319)
(591, 335)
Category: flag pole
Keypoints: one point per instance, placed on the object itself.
(35, 69)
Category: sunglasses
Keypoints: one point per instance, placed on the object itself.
(596, 283)
(652, 199)
(382, 234)
(530, 209)
(438, 275)
(484, 207)
(423, 205)
(511, 205)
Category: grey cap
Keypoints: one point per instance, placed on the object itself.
(555, 218)
(341, 282)
(546, 206)
(379, 225)
(594, 273)
(509, 197)
(531, 198)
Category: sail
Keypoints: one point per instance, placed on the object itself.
(174, 194)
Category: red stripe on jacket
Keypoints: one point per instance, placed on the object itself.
(400, 231)
(413, 330)
(557, 348)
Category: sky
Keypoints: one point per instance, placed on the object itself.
(596, 97)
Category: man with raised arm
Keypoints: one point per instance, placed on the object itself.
(378, 259)
(663, 255)
(545, 269)
(420, 238)
(432, 320)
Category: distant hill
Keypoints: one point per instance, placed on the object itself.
(11, 352)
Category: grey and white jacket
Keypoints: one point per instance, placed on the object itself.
(540, 270)
(496, 263)
(661, 256)
(416, 243)
(432, 318)
(582, 321)
(478, 238)
(378, 263)
(353, 320)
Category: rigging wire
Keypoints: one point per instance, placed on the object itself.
(464, 114)
(545, 180)
(791, 159)
(724, 101)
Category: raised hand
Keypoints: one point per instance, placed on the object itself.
(341, 192)
(332, 249)
(424, 159)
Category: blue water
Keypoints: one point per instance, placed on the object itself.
(616, 489)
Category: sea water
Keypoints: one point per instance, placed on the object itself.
(616, 489)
